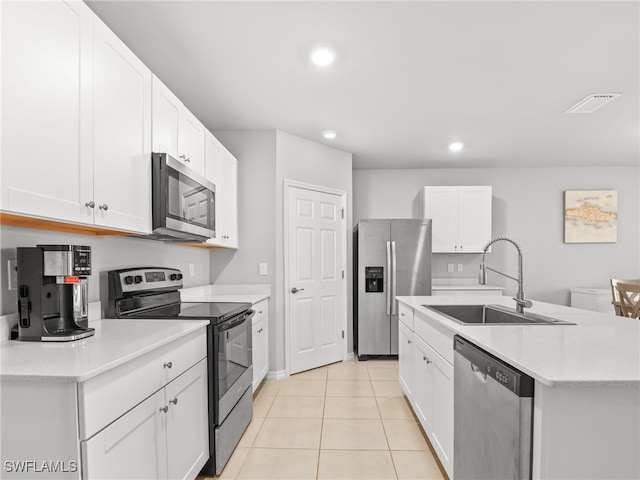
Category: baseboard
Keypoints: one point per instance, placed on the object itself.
(276, 375)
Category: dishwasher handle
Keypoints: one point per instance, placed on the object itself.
(489, 366)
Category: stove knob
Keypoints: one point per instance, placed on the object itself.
(173, 276)
(179, 276)
(128, 279)
(137, 279)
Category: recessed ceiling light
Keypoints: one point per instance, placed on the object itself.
(323, 56)
(329, 134)
(456, 146)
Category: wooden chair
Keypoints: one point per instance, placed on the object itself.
(615, 297)
(629, 298)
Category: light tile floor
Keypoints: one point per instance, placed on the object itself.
(345, 421)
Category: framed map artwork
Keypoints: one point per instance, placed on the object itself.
(590, 216)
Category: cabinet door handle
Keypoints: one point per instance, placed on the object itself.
(164, 409)
(174, 401)
(104, 207)
(90, 204)
(168, 365)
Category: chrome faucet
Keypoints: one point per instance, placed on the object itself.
(521, 302)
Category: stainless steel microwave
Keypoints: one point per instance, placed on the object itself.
(182, 202)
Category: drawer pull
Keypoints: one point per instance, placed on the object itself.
(168, 365)
(174, 401)
(164, 409)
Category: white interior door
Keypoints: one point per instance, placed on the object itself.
(315, 287)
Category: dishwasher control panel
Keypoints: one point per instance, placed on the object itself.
(490, 366)
(502, 375)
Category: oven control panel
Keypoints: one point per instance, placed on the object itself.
(138, 280)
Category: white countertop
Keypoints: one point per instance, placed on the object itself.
(114, 343)
(600, 350)
(226, 293)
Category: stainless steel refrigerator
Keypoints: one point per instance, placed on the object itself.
(392, 258)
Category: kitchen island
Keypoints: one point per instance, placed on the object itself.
(128, 402)
(587, 382)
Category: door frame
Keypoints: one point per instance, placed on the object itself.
(343, 252)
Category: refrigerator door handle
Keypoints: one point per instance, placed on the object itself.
(389, 280)
(392, 297)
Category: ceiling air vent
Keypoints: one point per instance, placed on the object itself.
(593, 102)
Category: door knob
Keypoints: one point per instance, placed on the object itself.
(296, 290)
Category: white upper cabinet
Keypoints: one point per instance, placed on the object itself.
(121, 135)
(191, 141)
(76, 119)
(461, 217)
(165, 119)
(47, 168)
(176, 131)
(221, 168)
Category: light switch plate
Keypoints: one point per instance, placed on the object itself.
(459, 267)
(450, 267)
(262, 269)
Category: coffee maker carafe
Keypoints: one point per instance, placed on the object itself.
(53, 293)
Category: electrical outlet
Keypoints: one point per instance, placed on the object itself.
(450, 267)
(12, 274)
(459, 267)
(262, 269)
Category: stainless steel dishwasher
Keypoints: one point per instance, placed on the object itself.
(493, 416)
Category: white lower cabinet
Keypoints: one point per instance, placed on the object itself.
(163, 437)
(405, 359)
(145, 418)
(427, 379)
(260, 342)
(134, 446)
(187, 433)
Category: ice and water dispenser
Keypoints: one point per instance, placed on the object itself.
(374, 279)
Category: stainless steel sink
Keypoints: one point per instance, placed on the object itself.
(492, 315)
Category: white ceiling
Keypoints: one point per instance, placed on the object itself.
(410, 76)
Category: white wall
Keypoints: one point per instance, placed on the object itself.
(107, 253)
(265, 160)
(313, 163)
(527, 207)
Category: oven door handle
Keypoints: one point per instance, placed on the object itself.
(234, 322)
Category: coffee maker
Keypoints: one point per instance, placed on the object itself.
(53, 293)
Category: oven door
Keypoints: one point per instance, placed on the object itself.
(232, 362)
(183, 201)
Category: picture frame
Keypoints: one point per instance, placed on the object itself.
(590, 216)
